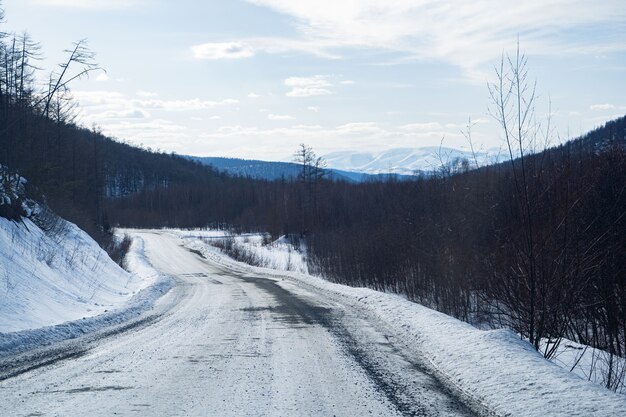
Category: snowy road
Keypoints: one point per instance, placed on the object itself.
(228, 343)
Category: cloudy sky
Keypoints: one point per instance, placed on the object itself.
(253, 78)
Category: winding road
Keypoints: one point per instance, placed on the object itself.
(229, 343)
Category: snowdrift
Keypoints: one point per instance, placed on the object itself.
(57, 284)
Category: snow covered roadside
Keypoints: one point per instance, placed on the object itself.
(492, 368)
(62, 285)
(278, 255)
(591, 364)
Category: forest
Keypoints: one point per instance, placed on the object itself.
(535, 243)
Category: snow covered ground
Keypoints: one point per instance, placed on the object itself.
(57, 284)
(244, 314)
(279, 254)
(233, 344)
(591, 364)
(492, 367)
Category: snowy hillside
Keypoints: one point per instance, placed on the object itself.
(405, 161)
(52, 276)
(51, 271)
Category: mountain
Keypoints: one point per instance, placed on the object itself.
(251, 168)
(268, 170)
(403, 161)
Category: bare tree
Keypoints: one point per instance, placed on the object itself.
(467, 134)
(541, 285)
(312, 171)
(79, 55)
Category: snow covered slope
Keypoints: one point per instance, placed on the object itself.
(50, 277)
(405, 161)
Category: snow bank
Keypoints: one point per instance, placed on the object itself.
(60, 284)
(51, 277)
(279, 255)
(591, 364)
(491, 368)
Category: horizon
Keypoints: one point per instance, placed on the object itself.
(253, 79)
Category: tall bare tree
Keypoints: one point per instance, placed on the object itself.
(312, 171)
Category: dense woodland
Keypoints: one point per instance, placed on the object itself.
(535, 243)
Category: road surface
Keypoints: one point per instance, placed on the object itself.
(227, 343)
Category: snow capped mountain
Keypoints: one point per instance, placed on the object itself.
(405, 161)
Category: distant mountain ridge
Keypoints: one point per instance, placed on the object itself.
(399, 163)
(403, 161)
(269, 170)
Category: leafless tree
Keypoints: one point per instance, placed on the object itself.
(312, 171)
(79, 55)
(467, 134)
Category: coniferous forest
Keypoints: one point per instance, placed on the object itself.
(536, 242)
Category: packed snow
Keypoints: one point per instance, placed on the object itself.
(491, 367)
(592, 364)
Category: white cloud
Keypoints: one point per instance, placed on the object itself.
(360, 128)
(99, 98)
(155, 133)
(183, 105)
(95, 101)
(124, 114)
(316, 85)
(88, 4)
(279, 117)
(308, 127)
(315, 109)
(347, 82)
(146, 94)
(102, 77)
(238, 140)
(223, 50)
(467, 34)
(422, 126)
(248, 47)
(601, 107)
(253, 95)
(125, 117)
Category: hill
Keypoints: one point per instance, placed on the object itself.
(270, 170)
